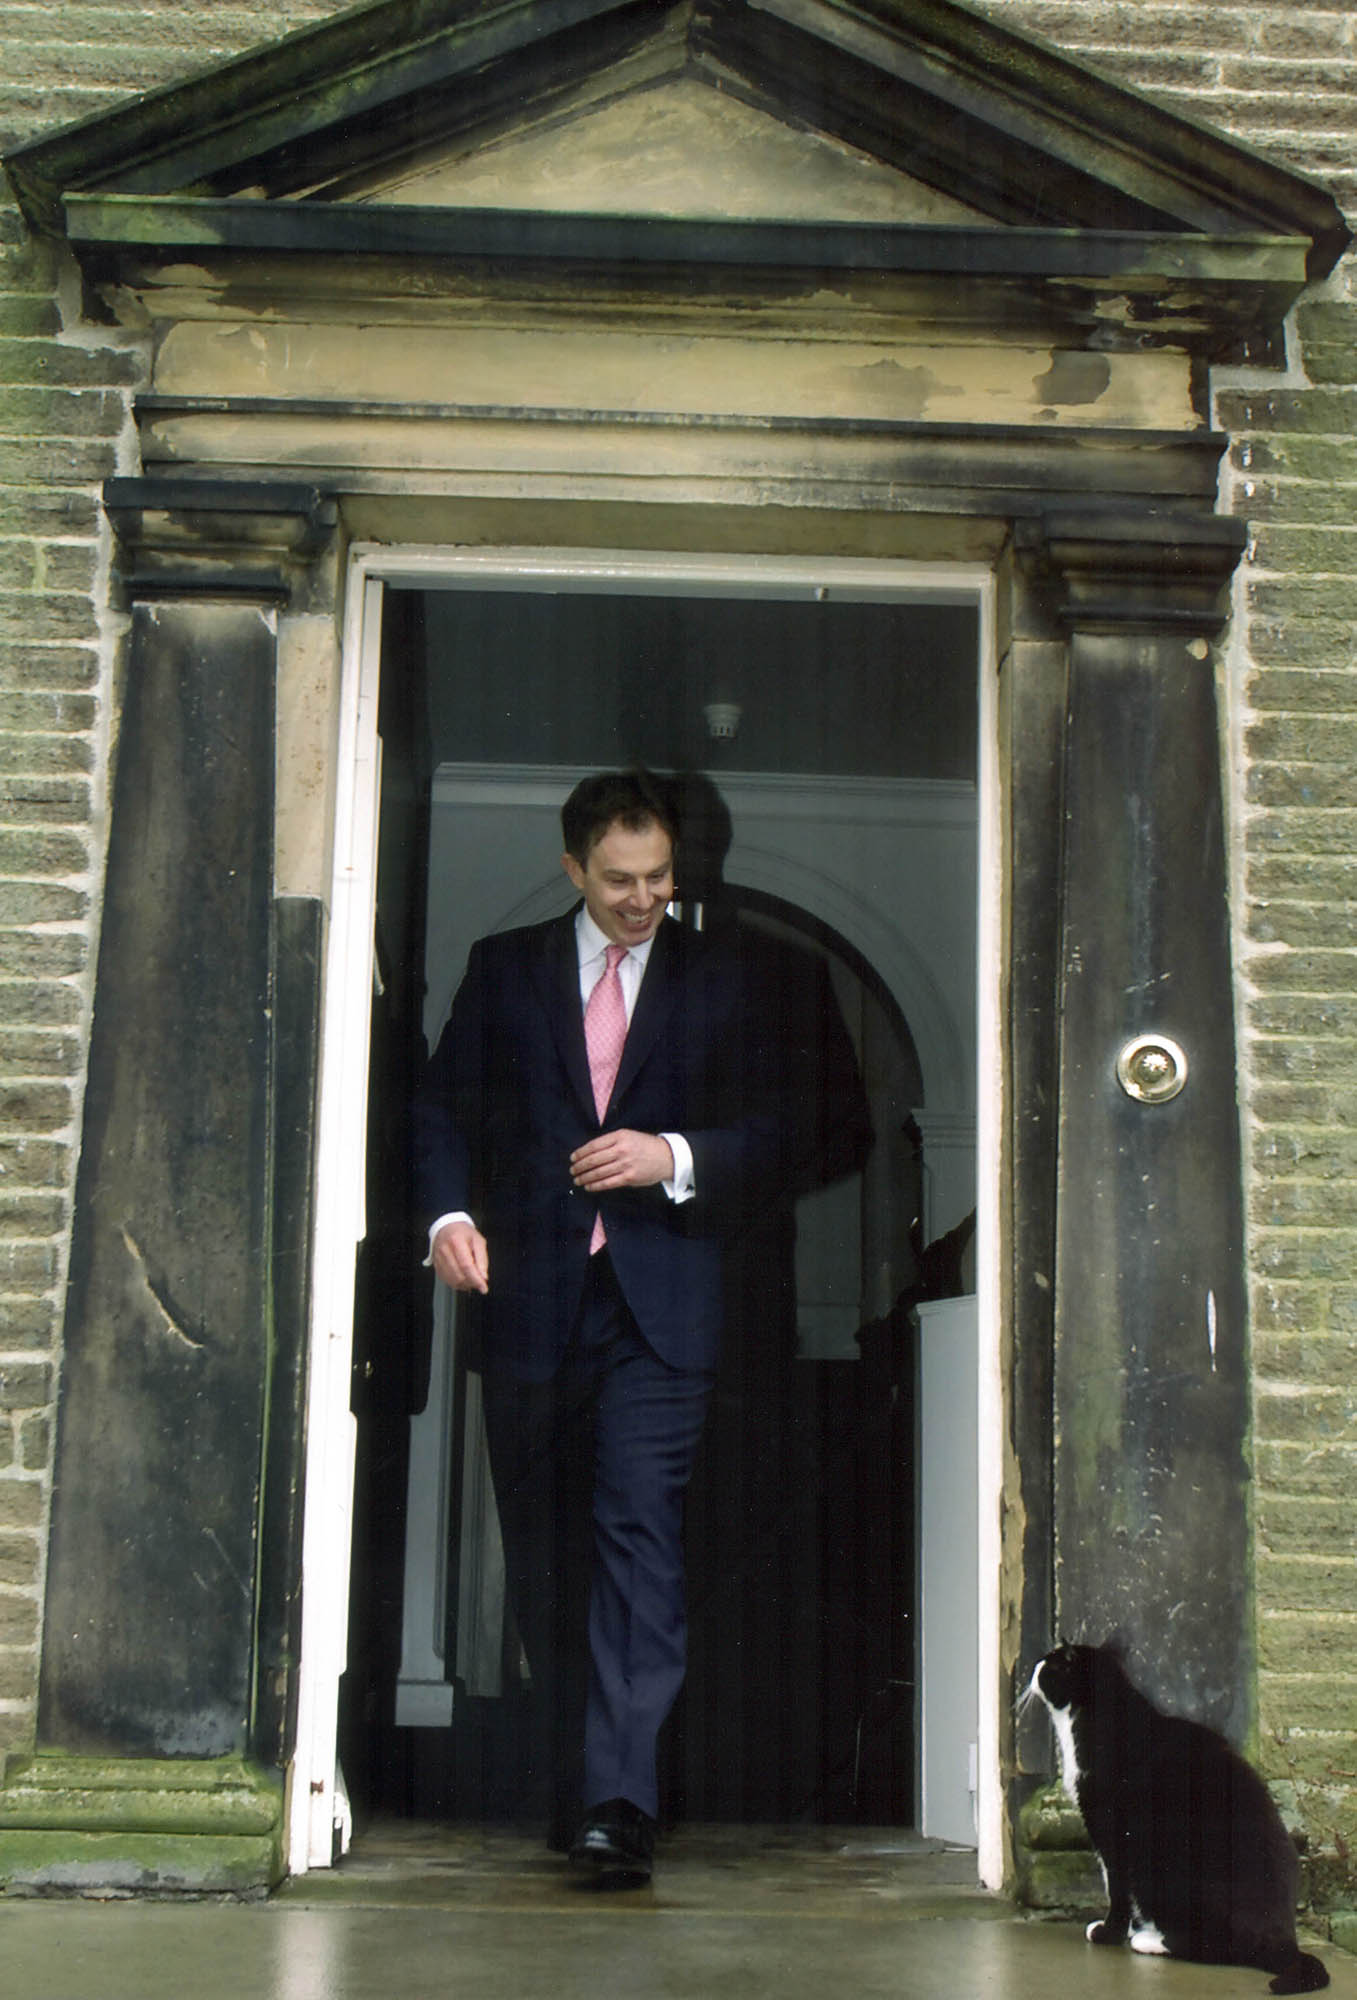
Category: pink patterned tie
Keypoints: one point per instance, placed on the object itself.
(605, 1030)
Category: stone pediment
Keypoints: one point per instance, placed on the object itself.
(674, 147)
(910, 139)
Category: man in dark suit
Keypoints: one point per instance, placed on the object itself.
(594, 1126)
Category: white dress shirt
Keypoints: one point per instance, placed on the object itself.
(592, 947)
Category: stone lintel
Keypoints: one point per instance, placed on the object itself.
(447, 453)
(238, 538)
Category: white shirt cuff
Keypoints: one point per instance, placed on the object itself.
(681, 1187)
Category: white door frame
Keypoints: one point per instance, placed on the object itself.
(317, 1811)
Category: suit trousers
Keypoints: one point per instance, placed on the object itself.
(590, 1470)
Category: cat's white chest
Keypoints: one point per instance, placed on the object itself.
(1063, 1724)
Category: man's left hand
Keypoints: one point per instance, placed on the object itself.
(622, 1159)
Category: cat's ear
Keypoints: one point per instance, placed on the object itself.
(1118, 1644)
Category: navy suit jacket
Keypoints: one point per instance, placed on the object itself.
(508, 1099)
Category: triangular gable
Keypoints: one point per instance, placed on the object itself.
(673, 147)
(921, 124)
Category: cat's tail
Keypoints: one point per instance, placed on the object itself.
(1304, 1974)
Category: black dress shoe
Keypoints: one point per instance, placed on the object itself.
(615, 1844)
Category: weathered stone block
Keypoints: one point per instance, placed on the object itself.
(1311, 412)
(36, 801)
(1309, 1642)
(59, 668)
(38, 1003)
(35, 1163)
(1301, 830)
(1317, 1757)
(1303, 924)
(1305, 1253)
(28, 1215)
(1316, 1414)
(35, 1444)
(1301, 972)
(1323, 1360)
(28, 315)
(1098, 24)
(1294, 596)
(27, 1267)
(1297, 1470)
(1301, 1203)
(18, 1560)
(1050, 1819)
(1319, 785)
(68, 566)
(21, 1502)
(19, 564)
(1317, 690)
(29, 263)
(73, 413)
(34, 1107)
(75, 1862)
(16, 1731)
(26, 1324)
(1313, 1525)
(42, 754)
(1304, 739)
(38, 953)
(1323, 1155)
(46, 617)
(1324, 461)
(185, 964)
(1304, 1583)
(1282, 1103)
(18, 1676)
(48, 364)
(34, 1052)
(67, 713)
(1304, 878)
(1303, 32)
(1310, 551)
(1303, 1059)
(1054, 1879)
(1317, 503)
(25, 461)
(146, 1825)
(25, 1385)
(18, 1615)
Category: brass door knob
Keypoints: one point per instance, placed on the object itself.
(1152, 1068)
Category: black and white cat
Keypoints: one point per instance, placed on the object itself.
(1197, 1861)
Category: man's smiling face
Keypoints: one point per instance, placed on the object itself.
(626, 881)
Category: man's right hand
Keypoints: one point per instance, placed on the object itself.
(461, 1257)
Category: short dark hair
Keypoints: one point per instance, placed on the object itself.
(633, 799)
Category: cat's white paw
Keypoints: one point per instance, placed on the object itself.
(1149, 1940)
(1103, 1933)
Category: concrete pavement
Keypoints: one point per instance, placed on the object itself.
(421, 1913)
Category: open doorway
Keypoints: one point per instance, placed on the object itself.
(839, 731)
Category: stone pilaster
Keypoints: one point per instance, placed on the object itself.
(158, 1588)
(1150, 1361)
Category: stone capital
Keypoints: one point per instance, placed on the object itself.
(1141, 572)
(249, 539)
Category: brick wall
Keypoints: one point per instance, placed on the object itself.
(1281, 75)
